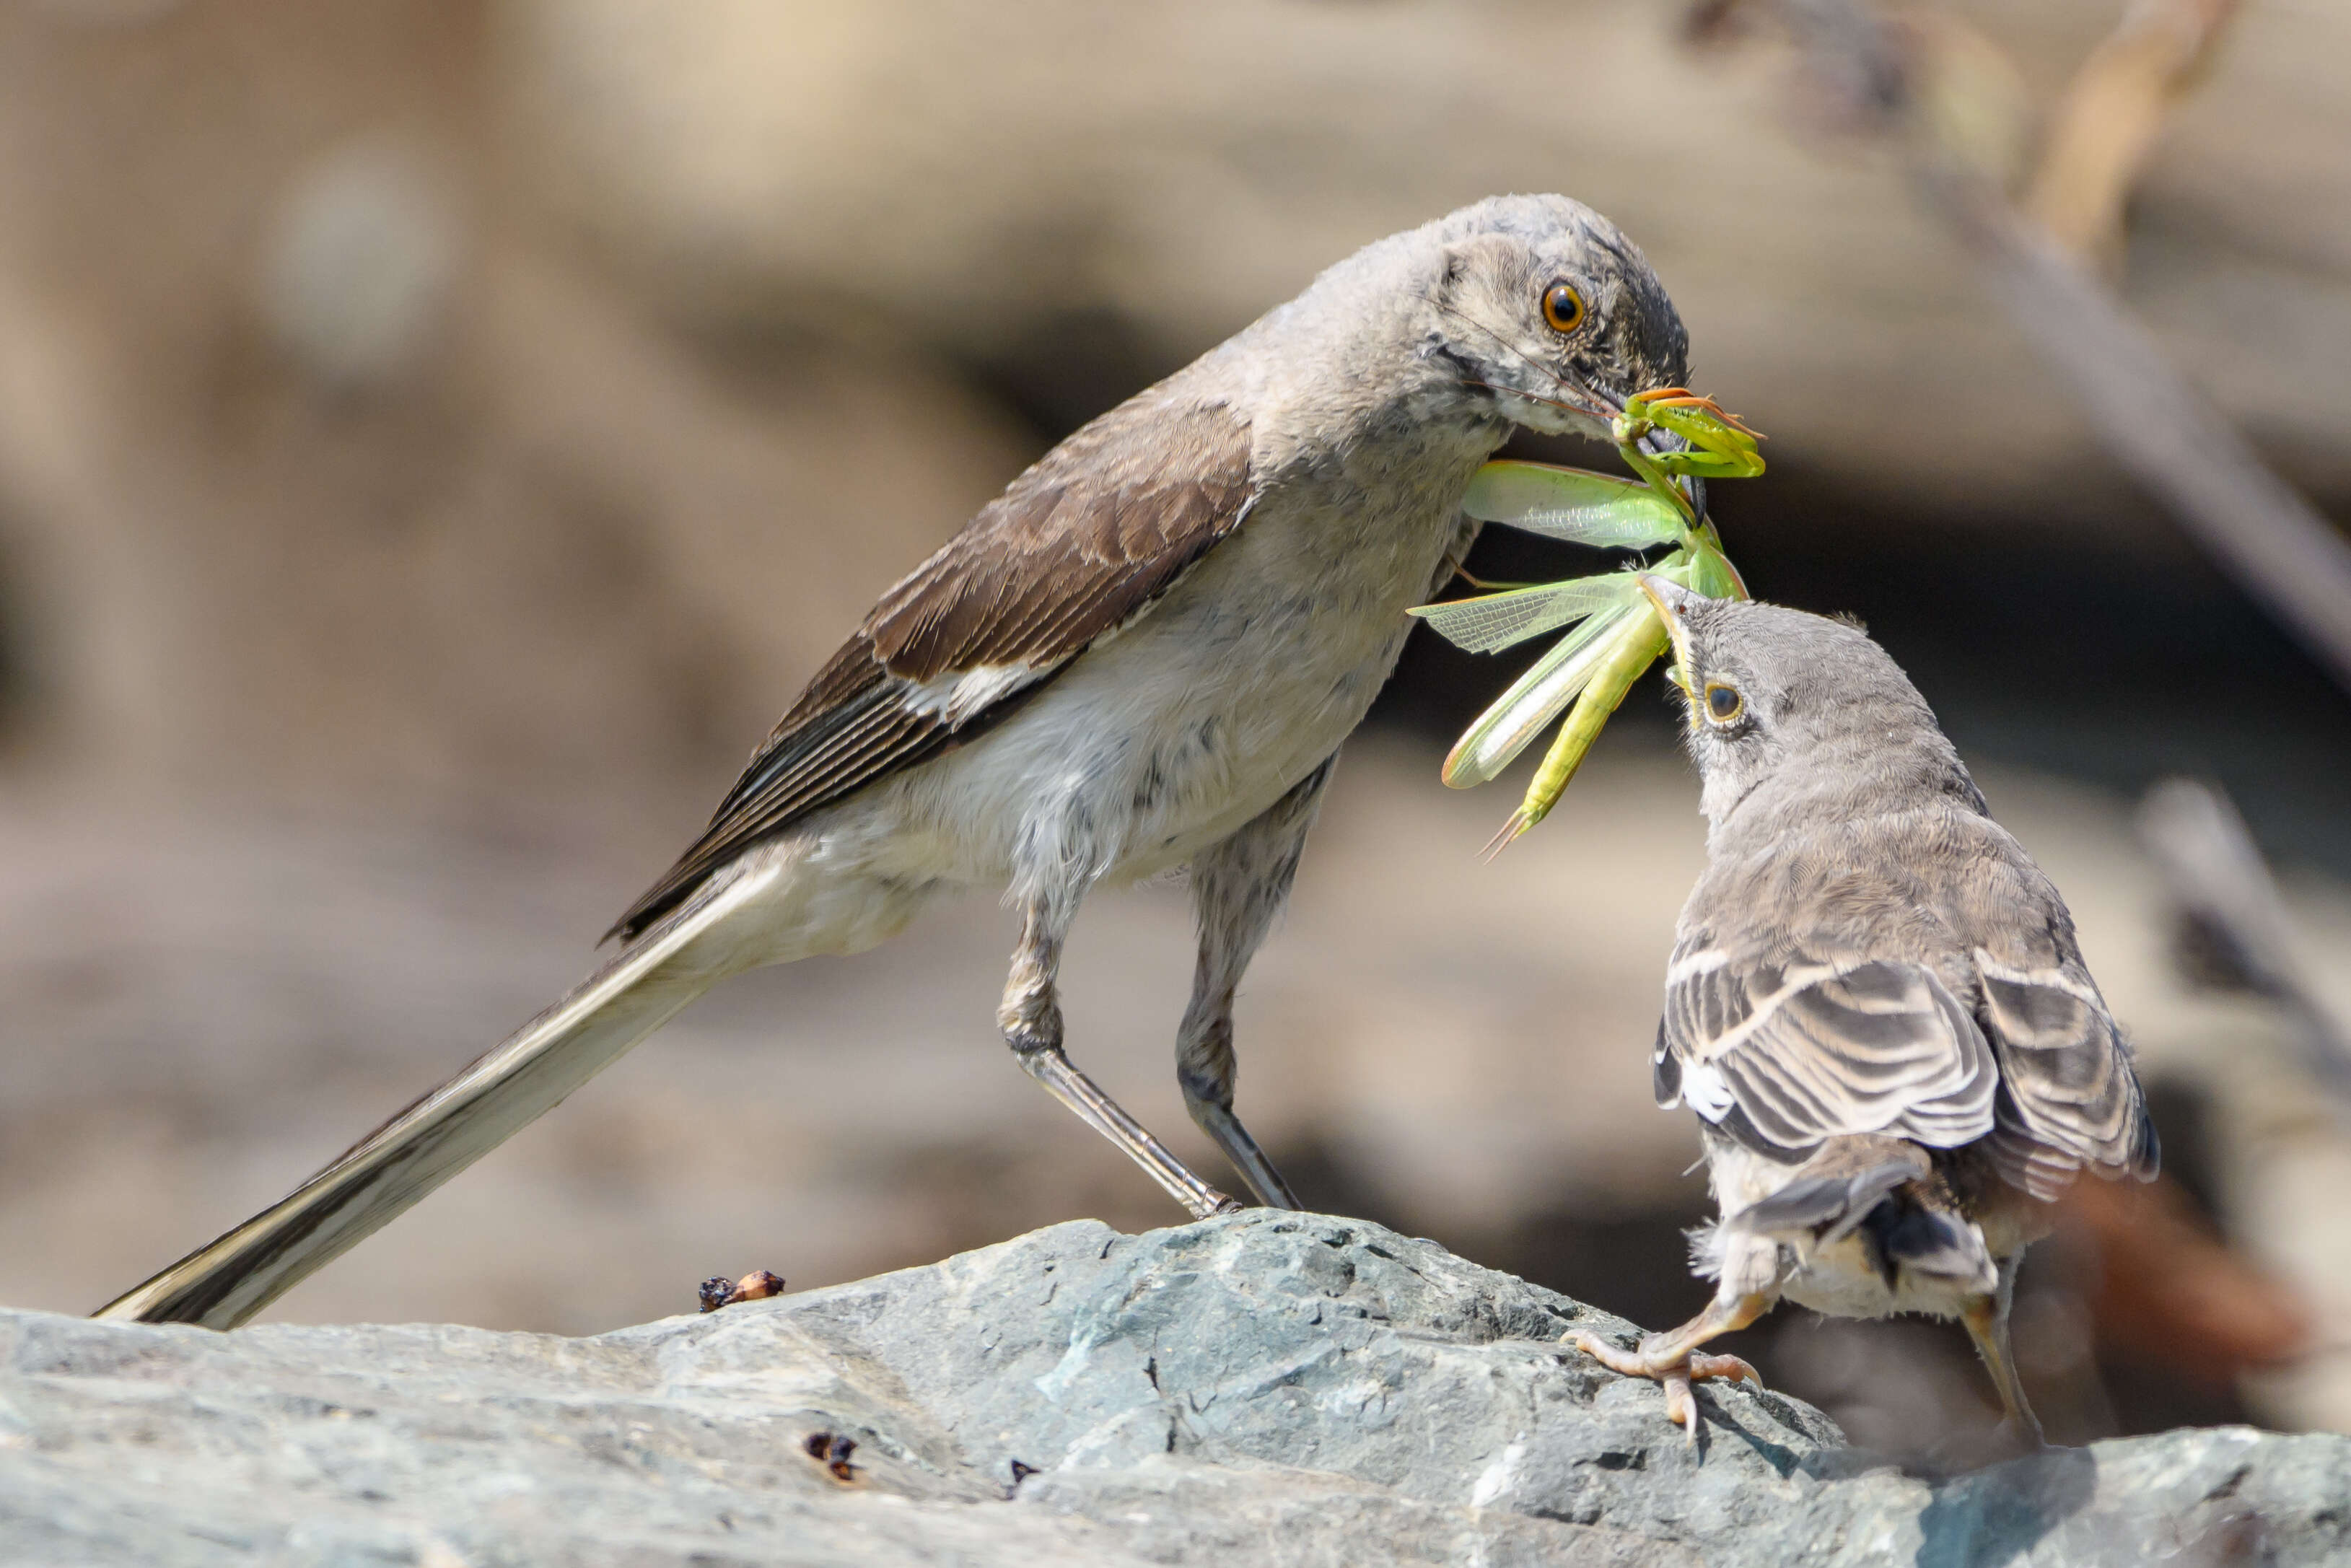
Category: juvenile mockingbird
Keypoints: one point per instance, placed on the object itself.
(1145, 654)
(1876, 1005)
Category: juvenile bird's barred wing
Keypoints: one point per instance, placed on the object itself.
(1075, 549)
(1782, 1057)
(2069, 1098)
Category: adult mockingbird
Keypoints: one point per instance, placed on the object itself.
(1876, 1005)
(1144, 654)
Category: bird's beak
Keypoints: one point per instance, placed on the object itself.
(1590, 402)
(1657, 444)
(1673, 602)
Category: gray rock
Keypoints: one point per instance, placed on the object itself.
(1266, 1388)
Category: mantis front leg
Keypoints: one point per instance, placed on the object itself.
(1719, 447)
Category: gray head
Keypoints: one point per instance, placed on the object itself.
(1528, 310)
(1791, 711)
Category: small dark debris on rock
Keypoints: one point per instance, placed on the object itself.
(718, 1290)
(831, 1451)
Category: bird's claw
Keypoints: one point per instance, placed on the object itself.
(1616, 1358)
(1704, 1365)
(1677, 1372)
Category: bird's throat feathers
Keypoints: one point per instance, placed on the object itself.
(1840, 780)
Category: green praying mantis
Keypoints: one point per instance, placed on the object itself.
(1612, 630)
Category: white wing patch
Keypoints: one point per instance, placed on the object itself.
(959, 695)
(1705, 1091)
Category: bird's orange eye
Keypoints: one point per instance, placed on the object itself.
(1723, 704)
(1563, 307)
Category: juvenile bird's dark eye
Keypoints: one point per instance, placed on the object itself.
(1723, 702)
(1563, 307)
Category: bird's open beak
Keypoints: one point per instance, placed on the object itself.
(1673, 602)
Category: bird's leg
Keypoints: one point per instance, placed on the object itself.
(1672, 1356)
(1987, 1320)
(1030, 1017)
(1237, 887)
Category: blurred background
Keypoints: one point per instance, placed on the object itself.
(437, 437)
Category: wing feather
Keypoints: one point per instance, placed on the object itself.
(1941, 999)
(1073, 550)
(1782, 1058)
(2070, 1099)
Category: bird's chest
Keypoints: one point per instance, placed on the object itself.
(1261, 660)
(1288, 631)
(1313, 588)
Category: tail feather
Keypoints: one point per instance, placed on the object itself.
(1822, 1210)
(1909, 1230)
(224, 1283)
(1914, 1239)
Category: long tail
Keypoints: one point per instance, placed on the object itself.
(224, 1283)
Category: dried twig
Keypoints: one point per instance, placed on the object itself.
(2103, 131)
(2235, 932)
(2166, 433)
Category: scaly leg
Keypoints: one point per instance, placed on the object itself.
(1030, 1017)
(1987, 1320)
(1237, 887)
(1673, 1358)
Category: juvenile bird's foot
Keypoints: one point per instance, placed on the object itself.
(1660, 1357)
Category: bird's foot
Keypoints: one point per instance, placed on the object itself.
(1657, 1358)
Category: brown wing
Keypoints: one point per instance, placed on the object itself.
(1075, 548)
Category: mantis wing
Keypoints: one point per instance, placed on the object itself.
(1495, 620)
(1537, 697)
(1570, 504)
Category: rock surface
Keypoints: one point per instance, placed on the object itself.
(1266, 1388)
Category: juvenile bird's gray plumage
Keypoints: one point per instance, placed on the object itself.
(1876, 1005)
(1143, 655)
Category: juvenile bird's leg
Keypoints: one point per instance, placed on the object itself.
(1237, 887)
(1673, 1358)
(1987, 1320)
(1030, 1017)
